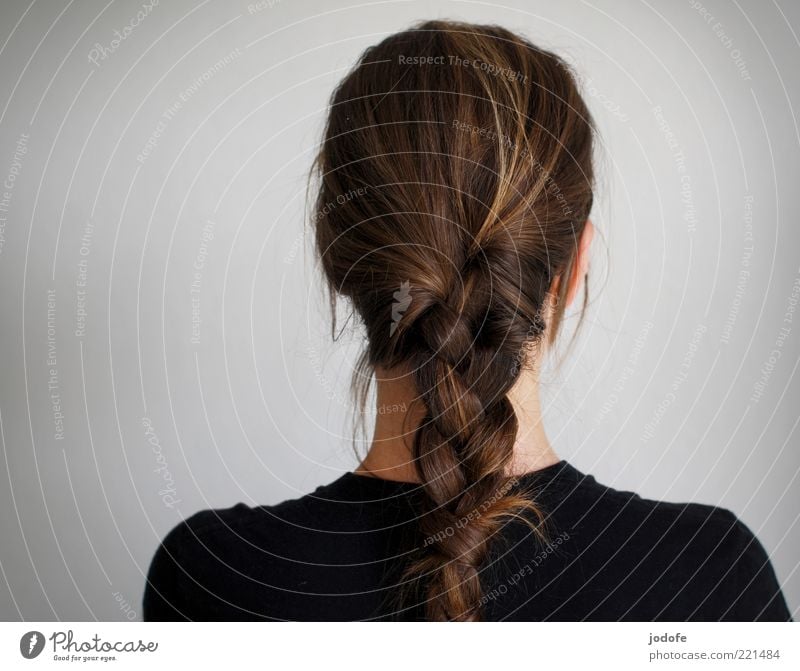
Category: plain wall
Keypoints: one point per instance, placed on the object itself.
(165, 342)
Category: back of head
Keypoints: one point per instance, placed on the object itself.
(455, 182)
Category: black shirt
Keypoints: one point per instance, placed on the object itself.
(337, 554)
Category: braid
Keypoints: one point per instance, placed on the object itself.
(463, 448)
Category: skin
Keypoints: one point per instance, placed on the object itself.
(389, 455)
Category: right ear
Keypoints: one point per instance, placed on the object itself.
(581, 266)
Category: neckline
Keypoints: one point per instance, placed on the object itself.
(558, 470)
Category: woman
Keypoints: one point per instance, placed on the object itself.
(453, 215)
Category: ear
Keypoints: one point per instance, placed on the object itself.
(581, 262)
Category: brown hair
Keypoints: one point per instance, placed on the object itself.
(455, 181)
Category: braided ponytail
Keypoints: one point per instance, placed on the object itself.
(462, 453)
(476, 182)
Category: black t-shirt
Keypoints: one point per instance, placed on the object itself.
(338, 554)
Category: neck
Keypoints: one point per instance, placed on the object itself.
(400, 411)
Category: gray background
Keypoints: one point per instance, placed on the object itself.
(668, 390)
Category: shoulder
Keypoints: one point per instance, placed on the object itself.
(727, 568)
(604, 508)
(679, 560)
(214, 526)
(202, 556)
(174, 563)
(203, 527)
(242, 562)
